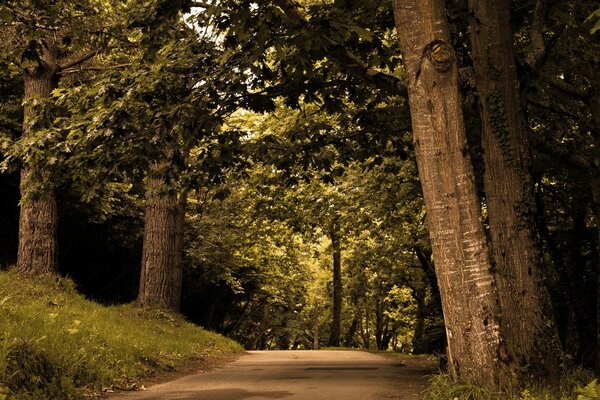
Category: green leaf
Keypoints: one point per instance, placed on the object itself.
(594, 15)
(5, 15)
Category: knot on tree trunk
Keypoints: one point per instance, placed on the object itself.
(440, 54)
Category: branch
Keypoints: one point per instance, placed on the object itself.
(382, 80)
(199, 4)
(538, 48)
(81, 59)
(566, 88)
(560, 154)
(74, 70)
(580, 120)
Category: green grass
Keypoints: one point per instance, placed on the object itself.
(55, 344)
(572, 386)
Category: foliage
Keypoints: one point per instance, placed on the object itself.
(594, 16)
(569, 388)
(590, 392)
(55, 344)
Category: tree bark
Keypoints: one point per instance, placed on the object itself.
(38, 248)
(316, 327)
(594, 103)
(526, 309)
(336, 312)
(160, 280)
(476, 351)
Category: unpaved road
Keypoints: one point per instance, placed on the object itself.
(300, 375)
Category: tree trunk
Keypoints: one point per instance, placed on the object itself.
(349, 338)
(463, 269)
(160, 280)
(418, 343)
(336, 312)
(595, 185)
(594, 103)
(365, 330)
(526, 309)
(316, 327)
(38, 249)
(379, 318)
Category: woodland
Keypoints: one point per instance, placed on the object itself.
(417, 176)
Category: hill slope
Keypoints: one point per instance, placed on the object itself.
(55, 344)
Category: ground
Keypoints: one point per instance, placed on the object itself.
(295, 375)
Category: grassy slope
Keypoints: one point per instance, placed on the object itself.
(54, 344)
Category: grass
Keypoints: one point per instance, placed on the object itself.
(572, 386)
(55, 344)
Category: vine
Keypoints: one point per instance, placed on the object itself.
(499, 125)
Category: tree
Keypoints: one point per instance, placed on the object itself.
(463, 268)
(526, 309)
(48, 41)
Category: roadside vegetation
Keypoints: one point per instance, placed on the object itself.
(577, 384)
(55, 344)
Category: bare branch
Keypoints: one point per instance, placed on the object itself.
(556, 152)
(566, 88)
(74, 70)
(79, 60)
(199, 4)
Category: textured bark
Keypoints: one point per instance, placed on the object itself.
(336, 312)
(526, 312)
(160, 280)
(463, 268)
(595, 186)
(594, 103)
(38, 249)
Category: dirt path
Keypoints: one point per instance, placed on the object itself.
(300, 375)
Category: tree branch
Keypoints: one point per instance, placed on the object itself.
(562, 155)
(538, 48)
(81, 59)
(566, 88)
(581, 121)
(74, 70)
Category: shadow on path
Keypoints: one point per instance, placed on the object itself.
(221, 394)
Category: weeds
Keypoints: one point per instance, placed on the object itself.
(572, 386)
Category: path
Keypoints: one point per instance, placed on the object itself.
(300, 375)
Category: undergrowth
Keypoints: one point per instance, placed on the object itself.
(577, 384)
(55, 344)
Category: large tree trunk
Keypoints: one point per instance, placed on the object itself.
(160, 280)
(524, 300)
(336, 312)
(38, 249)
(476, 350)
(594, 103)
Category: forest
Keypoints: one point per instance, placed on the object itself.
(416, 176)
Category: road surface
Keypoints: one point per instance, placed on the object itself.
(300, 375)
